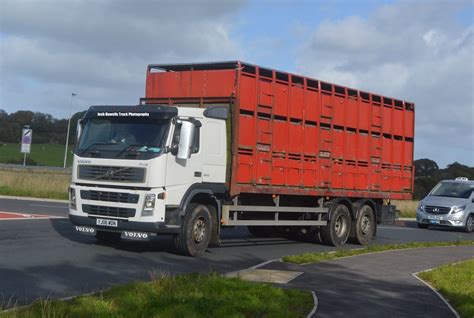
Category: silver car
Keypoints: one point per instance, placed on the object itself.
(450, 203)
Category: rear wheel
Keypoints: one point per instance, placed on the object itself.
(108, 237)
(195, 232)
(469, 226)
(422, 226)
(337, 230)
(364, 225)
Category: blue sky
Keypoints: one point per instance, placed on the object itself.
(420, 51)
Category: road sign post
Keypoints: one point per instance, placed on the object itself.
(26, 136)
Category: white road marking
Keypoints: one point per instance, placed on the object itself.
(455, 313)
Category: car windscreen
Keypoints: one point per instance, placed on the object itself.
(453, 190)
(129, 138)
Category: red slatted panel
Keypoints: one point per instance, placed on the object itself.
(398, 122)
(297, 102)
(247, 93)
(280, 136)
(296, 134)
(278, 170)
(364, 115)
(310, 138)
(339, 110)
(281, 99)
(350, 175)
(337, 181)
(310, 176)
(312, 105)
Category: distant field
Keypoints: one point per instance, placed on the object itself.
(36, 183)
(41, 154)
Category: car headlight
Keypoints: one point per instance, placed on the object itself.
(457, 209)
(149, 205)
(72, 198)
(421, 207)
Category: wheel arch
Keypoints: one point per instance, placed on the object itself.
(205, 194)
(334, 202)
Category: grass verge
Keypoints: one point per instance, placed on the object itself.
(407, 208)
(34, 183)
(319, 257)
(455, 283)
(192, 295)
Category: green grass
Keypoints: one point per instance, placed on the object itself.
(319, 257)
(407, 208)
(455, 283)
(41, 154)
(37, 183)
(192, 295)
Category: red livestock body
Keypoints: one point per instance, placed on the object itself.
(297, 135)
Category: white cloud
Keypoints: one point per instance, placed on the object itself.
(415, 51)
(100, 49)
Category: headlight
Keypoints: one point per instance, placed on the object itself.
(457, 209)
(421, 207)
(72, 198)
(149, 204)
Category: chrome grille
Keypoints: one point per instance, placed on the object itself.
(437, 209)
(111, 173)
(108, 211)
(109, 196)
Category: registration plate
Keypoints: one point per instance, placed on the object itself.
(434, 221)
(106, 222)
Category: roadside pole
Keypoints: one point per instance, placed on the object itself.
(68, 127)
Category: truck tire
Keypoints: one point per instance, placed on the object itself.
(108, 237)
(195, 232)
(337, 231)
(469, 227)
(364, 226)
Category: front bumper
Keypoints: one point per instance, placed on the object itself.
(149, 227)
(124, 206)
(452, 220)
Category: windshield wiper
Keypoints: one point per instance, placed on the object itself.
(96, 144)
(128, 147)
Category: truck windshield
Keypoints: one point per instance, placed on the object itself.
(122, 138)
(453, 190)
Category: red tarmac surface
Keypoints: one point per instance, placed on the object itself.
(20, 216)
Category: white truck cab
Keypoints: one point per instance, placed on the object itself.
(135, 167)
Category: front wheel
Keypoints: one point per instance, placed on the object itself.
(468, 228)
(337, 230)
(195, 232)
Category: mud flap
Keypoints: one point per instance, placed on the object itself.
(385, 214)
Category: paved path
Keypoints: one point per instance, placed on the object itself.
(377, 285)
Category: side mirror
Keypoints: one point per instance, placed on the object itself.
(186, 139)
(78, 129)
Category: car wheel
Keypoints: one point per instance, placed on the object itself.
(422, 226)
(469, 226)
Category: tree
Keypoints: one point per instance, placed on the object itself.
(425, 167)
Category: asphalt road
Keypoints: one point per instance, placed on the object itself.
(47, 258)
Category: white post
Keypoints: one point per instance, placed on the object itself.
(68, 126)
